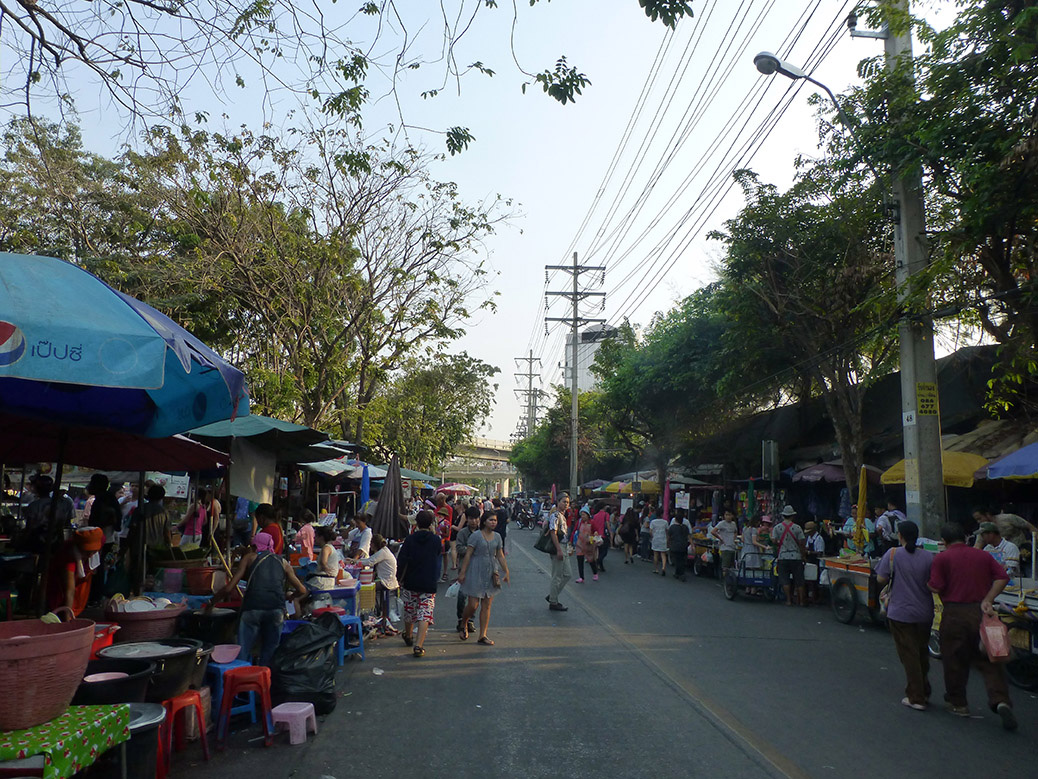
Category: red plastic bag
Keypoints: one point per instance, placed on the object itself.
(994, 637)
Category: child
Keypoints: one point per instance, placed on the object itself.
(586, 549)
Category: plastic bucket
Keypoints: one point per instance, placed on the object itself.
(200, 580)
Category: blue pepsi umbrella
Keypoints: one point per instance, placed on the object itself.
(1021, 464)
(75, 351)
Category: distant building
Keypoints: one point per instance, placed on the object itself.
(590, 339)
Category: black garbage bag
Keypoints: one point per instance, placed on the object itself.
(303, 667)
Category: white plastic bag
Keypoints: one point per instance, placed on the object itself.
(452, 591)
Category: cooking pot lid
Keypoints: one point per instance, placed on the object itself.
(145, 715)
(148, 650)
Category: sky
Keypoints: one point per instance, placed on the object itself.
(632, 176)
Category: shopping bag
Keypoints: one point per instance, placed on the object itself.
(452, 591)
(994, 637)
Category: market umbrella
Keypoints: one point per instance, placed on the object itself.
(456, 489)
(389, 520)
(832, 472)
(1021, 464)
(647, 487)
(73, 350)
(24, 440)
(959, 468)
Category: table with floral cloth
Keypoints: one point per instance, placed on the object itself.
(70, 742)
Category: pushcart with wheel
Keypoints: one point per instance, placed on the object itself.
(760, 580)
(705, 561)
(852, 586)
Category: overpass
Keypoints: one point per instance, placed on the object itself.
(483, 463)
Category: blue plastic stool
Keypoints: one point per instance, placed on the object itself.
(348, 621)
(216, 672)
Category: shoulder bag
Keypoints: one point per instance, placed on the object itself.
(888, 588)
(544, 541)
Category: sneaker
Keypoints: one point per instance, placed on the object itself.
(578, 581)
(557, 607)
(959, 711)
(1005, 711)
(916, 706)
(594, 578)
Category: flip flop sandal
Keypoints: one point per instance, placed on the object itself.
(419, 651)
(463, 634)
(408, 640)
(485, 641)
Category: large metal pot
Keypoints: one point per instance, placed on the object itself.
(175, 662)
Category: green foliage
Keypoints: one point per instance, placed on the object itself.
(424, 412)
(316, 265)
(809, 271)
(543, 457)
(969, 124)
(563, 83)
(667, 11)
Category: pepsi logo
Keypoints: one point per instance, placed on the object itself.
(12, 344)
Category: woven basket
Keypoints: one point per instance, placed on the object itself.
(41, 666)
(145, 625)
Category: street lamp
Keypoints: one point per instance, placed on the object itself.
(769, 64)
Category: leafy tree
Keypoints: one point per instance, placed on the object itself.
(543, 457)
(661, 393)
(145, 53)
(317, 266)
(430, 408)
(971, 126)
(810, 269)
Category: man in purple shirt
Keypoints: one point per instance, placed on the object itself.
(968, 579)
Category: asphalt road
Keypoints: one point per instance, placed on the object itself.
(643, 676)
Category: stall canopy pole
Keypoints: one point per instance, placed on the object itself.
(52, 522)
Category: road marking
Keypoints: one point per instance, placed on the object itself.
(762, 752)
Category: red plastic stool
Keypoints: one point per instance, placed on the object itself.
(336, 610)
(253, 678)
(174, 706)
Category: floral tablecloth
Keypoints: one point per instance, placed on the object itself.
(70, 742)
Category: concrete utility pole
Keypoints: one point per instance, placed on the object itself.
(920, 411)
(529, 396)
(575, 320)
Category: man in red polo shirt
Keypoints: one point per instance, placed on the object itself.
(968, 579)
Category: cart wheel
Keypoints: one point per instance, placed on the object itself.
(1022, 668)
(730, 585)
(845, 600)
(697, 566)
(934, 645)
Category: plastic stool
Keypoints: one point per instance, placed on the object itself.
(297, 716)
(336, 610)
(215, 673)
(174, 706)
(252, 678)
(344, 648)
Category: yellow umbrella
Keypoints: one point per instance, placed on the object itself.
(959, 468)
(648, 487)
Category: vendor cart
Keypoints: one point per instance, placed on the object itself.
(852, 585)
(760, 580)
(1017, 606)
(705, 559)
